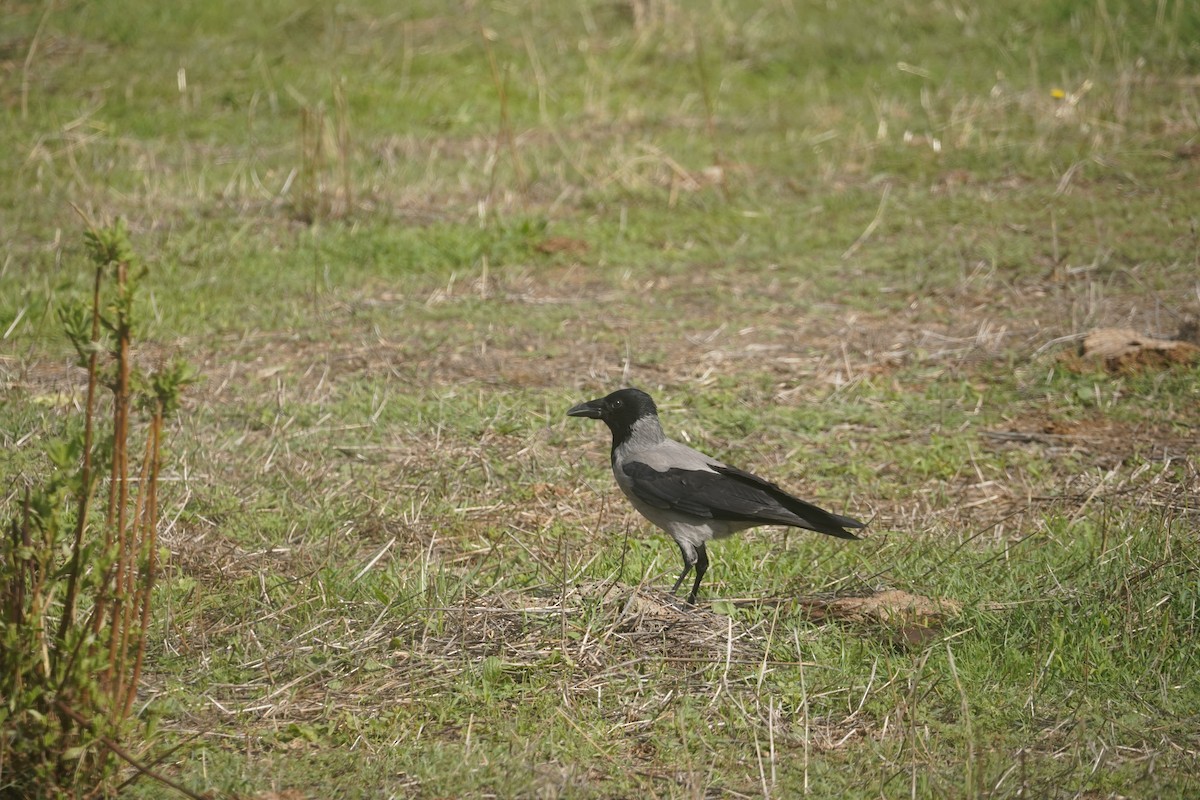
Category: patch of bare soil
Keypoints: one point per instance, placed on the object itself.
(1109, 442)
(890, 605)
(1124, 350)
(907, 620)
(562, 244)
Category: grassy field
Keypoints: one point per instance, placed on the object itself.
(853, 251)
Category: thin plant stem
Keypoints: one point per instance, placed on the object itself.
(85, 474)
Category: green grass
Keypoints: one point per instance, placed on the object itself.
(836, 247)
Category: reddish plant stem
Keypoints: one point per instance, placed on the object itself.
(119, 491)
(150, 552)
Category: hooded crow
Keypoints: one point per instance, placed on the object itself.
(692, 497)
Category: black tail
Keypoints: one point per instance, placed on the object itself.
(820, 520)
(792, 510)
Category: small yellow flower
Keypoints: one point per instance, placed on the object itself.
(1058, 94)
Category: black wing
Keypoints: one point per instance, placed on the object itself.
(732, 495)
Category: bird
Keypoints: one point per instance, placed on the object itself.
(693, 497)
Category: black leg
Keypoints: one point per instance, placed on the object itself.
(689, 558)
(701, 568)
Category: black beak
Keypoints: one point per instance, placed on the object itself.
(590, 409)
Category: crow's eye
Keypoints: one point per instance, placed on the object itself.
(616, 404)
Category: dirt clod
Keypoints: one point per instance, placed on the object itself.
(1127, 350)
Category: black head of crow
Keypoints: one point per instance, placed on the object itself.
(693, 497)
(620, 411)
